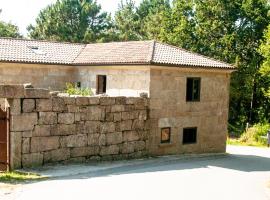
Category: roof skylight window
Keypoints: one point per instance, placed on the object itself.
(37, 51)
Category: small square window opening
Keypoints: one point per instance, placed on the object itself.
(165, 135)
(189, 135)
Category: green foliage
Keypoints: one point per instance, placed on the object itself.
(71, 89)
(71, 21)
(9, 30)
(126, 21)
(143, 22)
(254, 136)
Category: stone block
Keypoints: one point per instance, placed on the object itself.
(117, 117)
(27, 134)
(69, 100)
(58, 104)
(72, 108)
(129, 107)
(130, 136)
(127, 147)
(23, 122)
(129, 115)
(125, 125)
(44, 105)
(66, 118)
(79, 140)
(84, 151)
(77, 117)
(109, 150)
(109, 117)
(29, 105)
(138, 125)
(82, 101)
(32, 160)
(91, 113)
(142, 115)
(139, 145)
(40, 144)
(15, 150)
(63, 129)
(117, 108)
(11, 91)
(56, 155)
(96, 139)
(47, 118)
(107, 127)
(92, 127)
(36, 93)
(41, 131)
(107, 101)
(120, 100)
(15, 106)
(26, 145)
(114, 138)
(93, 100)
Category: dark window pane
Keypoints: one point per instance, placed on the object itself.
(189, 135)
(189, 89)
(196, 89)
(193, 89)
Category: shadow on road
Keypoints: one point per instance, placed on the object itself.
(243, 163)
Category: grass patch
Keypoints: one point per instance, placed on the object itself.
(235, 141)
(18, 177)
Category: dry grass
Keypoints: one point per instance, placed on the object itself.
(18, 177)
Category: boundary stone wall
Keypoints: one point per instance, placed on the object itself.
(48, 127)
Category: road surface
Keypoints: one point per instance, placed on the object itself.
(242, 174)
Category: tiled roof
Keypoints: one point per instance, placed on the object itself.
(34, 51)
(138, 52)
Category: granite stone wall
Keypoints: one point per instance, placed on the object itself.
(50, 127)
(169, 108)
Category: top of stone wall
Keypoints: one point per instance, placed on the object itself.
(27, 91)
(22, 91)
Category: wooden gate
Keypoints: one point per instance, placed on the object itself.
(4, 140)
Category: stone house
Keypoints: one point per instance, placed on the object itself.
(188, 93)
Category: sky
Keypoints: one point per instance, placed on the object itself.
(24, 12)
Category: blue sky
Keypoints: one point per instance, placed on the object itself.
(23, 12)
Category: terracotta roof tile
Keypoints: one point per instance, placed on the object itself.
(138, 52)
(33, 51)
(116, 53)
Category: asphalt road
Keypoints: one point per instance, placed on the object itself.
(243, 174)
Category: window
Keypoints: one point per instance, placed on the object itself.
(193, 89)
(78, 84)
(37, 50)
(101, 84)
(165, 135)
(189, 135)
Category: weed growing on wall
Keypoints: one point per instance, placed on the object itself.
(72, 89)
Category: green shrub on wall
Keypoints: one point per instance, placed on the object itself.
(72, 89)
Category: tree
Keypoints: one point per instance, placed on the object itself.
(9, 30)
(127, 22)
(143, 22)
(265, 72)
(151, 15)
(72, 21)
